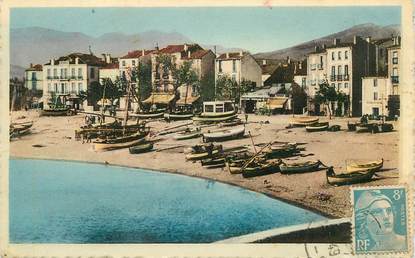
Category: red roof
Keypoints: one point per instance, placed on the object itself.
(111, 66)
(137, 53)
(170, 49)
(198, 54)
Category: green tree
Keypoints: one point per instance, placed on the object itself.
(94, 93)
(206, 87)
(228, 89)
(326, 95)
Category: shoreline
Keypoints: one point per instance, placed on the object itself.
(319, 212)
(307, 190)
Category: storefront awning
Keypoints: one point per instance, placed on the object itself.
(159, 98)
(189, 100)
(274, 103)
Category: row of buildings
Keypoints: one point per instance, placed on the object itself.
(365, 70)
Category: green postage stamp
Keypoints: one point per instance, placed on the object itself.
(380, 218)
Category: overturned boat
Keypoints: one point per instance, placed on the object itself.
(224, 135)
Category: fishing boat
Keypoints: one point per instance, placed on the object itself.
(277, 150)
(224, 135)
(358, 176)
(317, 127)
(149, 115)
(203, 151)
(145, 147)
(233, 122)
(353, 165)
(299, 167)
(261, 168)
(188, 134)
(119, 142)
(213, 162)
(304, 121)
(62, 111)
(216, 111)
(178, 116)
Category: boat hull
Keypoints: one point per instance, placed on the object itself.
(201, 119)
(287, 168)
(113, 146)
(173, 116)
(202, 155)
(186, 136)
(375, 165)
(317, 127)
(224, 136)
(141, 148)
(350, 178)
(304, 121)
(259, 170)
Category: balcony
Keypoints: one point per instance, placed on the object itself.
(333, 77)
(49, 77)
(73, 77)
(395, 79)
(55, 77)
(339, 77)
(64, 78)
(394, 60)
(80, 78)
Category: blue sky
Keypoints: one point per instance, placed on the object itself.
(254, 28)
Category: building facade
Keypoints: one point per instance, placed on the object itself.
(34, 77)
(239, 66)
(381, 94)
(133, 59)
(71, 75)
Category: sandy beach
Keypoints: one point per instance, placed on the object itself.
(55, 136)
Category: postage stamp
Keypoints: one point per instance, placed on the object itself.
(380, 219)
(252, 128)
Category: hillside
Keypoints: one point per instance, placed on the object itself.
(363, 30)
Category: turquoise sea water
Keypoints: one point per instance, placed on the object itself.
(71, 202)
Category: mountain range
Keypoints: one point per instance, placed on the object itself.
(38, 45)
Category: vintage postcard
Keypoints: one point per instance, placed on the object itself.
(207, 129)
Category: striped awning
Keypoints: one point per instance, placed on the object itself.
(187, 100)
(278, 102)
(159, 98)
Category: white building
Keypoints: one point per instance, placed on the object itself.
(34, 77)
(71, 75)
(239, 66)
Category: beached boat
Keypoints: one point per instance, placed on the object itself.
(213, 162)
(188, 134)
(359, 176)
(64, 111)
(178, 116)
(299, 167)
(141, 148)
(233, 122)
(354, 165)
(148, 115)
(119, 142)
(216, 111)
(224, 135)
(261, 168)
(19, 129)
(304, 121)
(203, 151)
(281, 150)
(317, 127)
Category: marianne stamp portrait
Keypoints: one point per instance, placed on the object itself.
(380, 220)
(184, 127)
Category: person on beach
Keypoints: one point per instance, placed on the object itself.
(375, 217)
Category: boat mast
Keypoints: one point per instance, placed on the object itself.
(127, 102)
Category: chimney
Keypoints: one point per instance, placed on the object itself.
(227, 55)
(324, 46)
(31, 65)
(288, 60)
(241, 53)
(76, 60)
(316, 48)
(188, 54)
(143, 52)
(300, 65)
(264, 62)
(157, 47)
(356, 39)
(185, 47)
(368, 39)
(336, 41)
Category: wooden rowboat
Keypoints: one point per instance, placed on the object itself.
(214, 119)
(281, 150)
(119, 142)
(260, 169)
(299, 167)
(188, 134)
(141, 148)
(317, 127)
(224, 134)
(178, 116)
(213, 162)
(363, 175)
(354, 166)
(55, 112)
(304, 121)
(202, 155)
